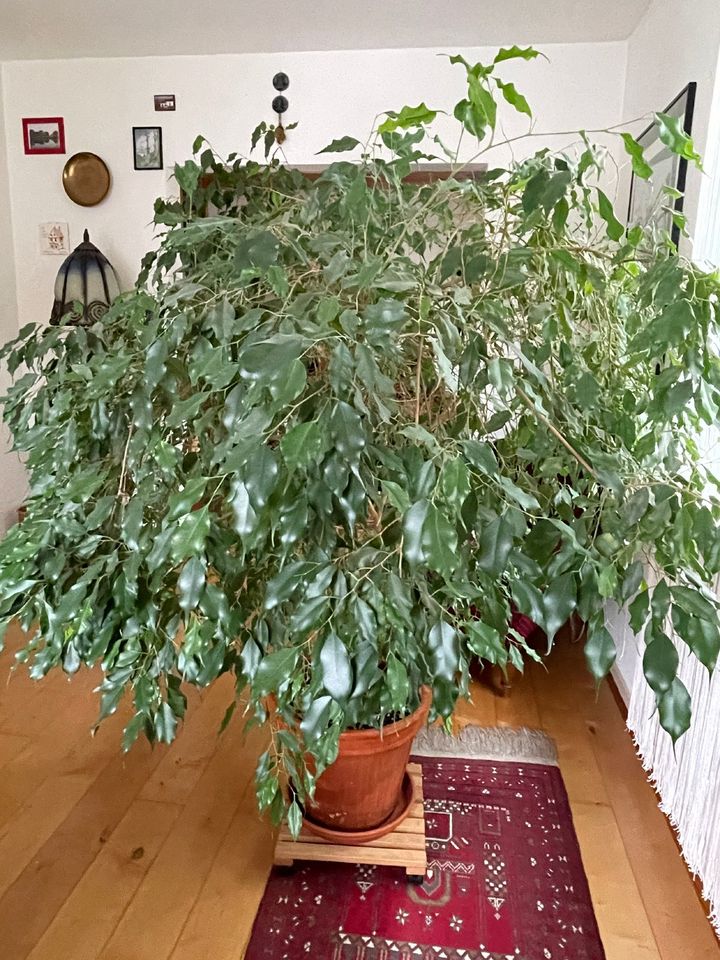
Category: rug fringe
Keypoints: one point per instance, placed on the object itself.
(519, 745)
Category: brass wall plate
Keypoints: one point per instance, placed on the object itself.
(86, 179)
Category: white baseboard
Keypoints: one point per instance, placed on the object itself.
(621, 684)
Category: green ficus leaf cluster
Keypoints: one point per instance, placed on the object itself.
(343, 428)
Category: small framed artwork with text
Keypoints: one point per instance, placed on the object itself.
(164, 102)
(44, 134)
(147, 148)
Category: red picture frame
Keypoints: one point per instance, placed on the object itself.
(38, 135)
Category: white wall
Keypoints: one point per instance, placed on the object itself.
(224, 97)
(12, 482)
(676, 41)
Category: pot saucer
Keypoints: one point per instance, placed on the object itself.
(402, 809)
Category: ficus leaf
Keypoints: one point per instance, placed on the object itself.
(261, 475)
(514, 98)
(337, 676)
(694, 603)
(443, 643)
(301, 445)
(341, 145)
(245, 516)
(455, 482)
(316, 718)
(257, 250)
(495, 545)
(397, 681)
(660, 660)
(190, 535)
(165, 724)
(607, 581)
(481, 455)
(632, 580)
(407, 117)
(482, 100)
(660, 602)
(701, 636)
(600, 652)
(257, 134)
(515, 53)
(529, 600)
(191, 582)
(615, 229)
(677, 398)
(675, 709)
(274, 671)
(675, 139)
(295, 819)
(472, 117)
(636, 506)
(639, 610)
(181, 503)
(559, 601)
(641, 168)
(439, 541)
(397, 496)
(413, 524)
(308, 615)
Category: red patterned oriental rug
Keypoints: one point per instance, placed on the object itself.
(505, 879)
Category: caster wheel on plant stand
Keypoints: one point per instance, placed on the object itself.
(416, 879)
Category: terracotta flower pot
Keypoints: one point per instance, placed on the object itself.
(363, 788)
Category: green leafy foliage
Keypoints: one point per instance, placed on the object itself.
(514, 97)
(341, 429)
(615, 229)
(406, 118)
(674, 137)
(641, 168)
(342, 145)
(674, 709)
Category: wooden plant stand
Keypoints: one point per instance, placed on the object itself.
(404, 847)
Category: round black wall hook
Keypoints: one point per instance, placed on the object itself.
(280, 105)
(281, 81)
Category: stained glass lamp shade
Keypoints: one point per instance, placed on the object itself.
(86, 278)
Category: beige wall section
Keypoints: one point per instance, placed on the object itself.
(224, 97)
(12, 475)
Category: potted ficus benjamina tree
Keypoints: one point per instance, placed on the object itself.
(343, 429)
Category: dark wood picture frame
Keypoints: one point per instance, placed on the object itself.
(29, 122)
(164, 102)
(156, 160)
(683, 107)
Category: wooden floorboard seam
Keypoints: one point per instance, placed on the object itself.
(633, 867)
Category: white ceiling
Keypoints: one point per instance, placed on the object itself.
(51, 29)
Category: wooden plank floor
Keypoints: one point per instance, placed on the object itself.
(160, 855)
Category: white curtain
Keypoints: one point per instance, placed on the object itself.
(688, 778)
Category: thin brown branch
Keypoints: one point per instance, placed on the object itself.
(555, 432)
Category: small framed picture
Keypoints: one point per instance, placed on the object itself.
(147, 148)
(164, 102)
(44, 134)
(53, 238)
